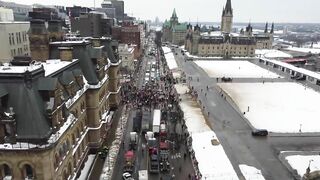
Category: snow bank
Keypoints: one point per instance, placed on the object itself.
(86, 168)
(172, 64)
(278, 107)
(213, 163)
(251, 173)
(271, 53)
(234, 69)
(301, 163)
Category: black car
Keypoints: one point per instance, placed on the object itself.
(260, 132)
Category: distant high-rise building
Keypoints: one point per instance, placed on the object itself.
(93, 24)
(119, 6)
(156, 21)
(6, 14)
(14, 40)
(20, 11)
(75, 11)
(44, 13)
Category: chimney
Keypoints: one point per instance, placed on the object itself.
(55, 30)
(39, 40)
(66, 53)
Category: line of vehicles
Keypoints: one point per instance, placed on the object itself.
(154, 129)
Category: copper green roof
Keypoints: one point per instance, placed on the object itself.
(180, 27)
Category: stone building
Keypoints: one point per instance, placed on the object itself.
(173, 31)
(92, 24)
(14, 40)
(55, 112)
(224, 43)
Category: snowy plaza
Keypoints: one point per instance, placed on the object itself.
(277, 107)
(234, 69)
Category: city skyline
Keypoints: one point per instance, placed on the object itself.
(210, 11)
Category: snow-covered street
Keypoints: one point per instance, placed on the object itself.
(234, 69)
(213, 162)
(277, 107)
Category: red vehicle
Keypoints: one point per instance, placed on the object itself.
(129, 161)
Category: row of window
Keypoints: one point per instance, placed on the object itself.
(17, 38)
(245, 48)
(19, 51)
(6, 172)
(231, 53)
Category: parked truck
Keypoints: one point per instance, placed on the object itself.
(133, 140)
(156, 121)
(164, 157)
(145, 125)
(154, 163)
(136, 124)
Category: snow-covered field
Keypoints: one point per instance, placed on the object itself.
(271, 53)
(213, 162)
(250, 172)
(234, 69)
(172, 64)
(301, 163)
(277, 107)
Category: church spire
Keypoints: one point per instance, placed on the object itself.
(266, 28)
(228, 8)
(174, 14)
(272, 28)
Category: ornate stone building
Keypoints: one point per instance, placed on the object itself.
(173, 31)
(224, 43)
(53, 113)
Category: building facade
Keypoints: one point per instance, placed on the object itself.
(173, 31)
(127, 56)
(55, 112)
(14, 40)
(6, 14)
(224, 43)
(93, 24)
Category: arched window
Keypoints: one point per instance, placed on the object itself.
(28, 172)
(73, 139)
(57, 160)
(5, 172)
(70, 171)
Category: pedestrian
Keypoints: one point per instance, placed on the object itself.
(205, 94)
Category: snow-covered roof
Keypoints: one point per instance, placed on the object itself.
(51, 66)
(18, 69)
(294, 68)
(170, 58)
(304, 50)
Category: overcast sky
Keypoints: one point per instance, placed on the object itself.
(300, 11)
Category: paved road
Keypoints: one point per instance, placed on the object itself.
(234, 132)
